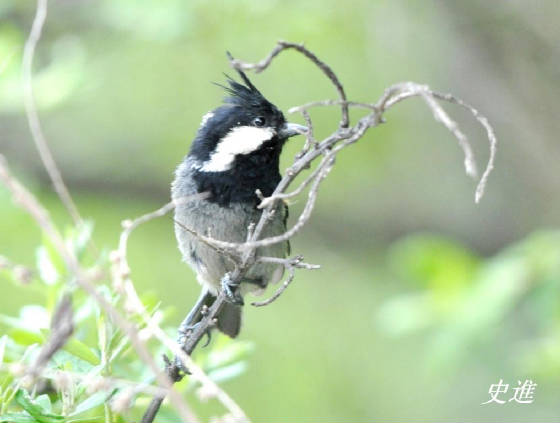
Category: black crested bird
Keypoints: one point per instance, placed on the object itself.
(236, 151)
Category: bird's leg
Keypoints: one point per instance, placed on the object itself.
(230, 289)
(191, 321)
(195, 314)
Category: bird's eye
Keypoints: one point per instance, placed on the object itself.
(259, 121)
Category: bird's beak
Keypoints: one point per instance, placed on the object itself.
(290, 129)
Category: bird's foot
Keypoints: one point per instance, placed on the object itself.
(186, 331)
(229, 287)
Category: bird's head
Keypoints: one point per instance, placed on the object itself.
(246, 124)
(239, 143)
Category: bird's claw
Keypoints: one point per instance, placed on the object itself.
(186, 331)
(229, 287)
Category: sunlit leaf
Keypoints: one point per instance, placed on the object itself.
(93, 401)
(47, 270)
(35, 409)
(17, 418)
(25, 336)
(80, 236)
(81, 350)
(44, 402)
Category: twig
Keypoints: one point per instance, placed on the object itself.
(493, 141)
(33, 117)
(62, 327)
(245, 254)
(279, 291)
(325, 103)
(291, 264)
(125, 285)
(326, 69)
(94, 384)
(404, 90)
(19, 272)
(30, 204)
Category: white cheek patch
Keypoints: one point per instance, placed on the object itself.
(205, 118)
(240, 140)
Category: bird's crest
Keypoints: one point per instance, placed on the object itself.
(246, 95)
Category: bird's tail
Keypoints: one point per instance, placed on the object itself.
(229, 320)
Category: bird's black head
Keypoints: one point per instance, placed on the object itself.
(238, 145)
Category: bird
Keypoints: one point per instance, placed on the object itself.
(235, 154)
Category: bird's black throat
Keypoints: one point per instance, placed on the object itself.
(257, 170)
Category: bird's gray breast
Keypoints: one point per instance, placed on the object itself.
(227, 223)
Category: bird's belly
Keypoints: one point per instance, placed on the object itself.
(226, 224)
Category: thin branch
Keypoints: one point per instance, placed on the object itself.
(493, 141)
(62, 327)
(279, 291)
(326, 103)
(122, 274)
(441, 116)
(22, 274)
(326, 69)
(404, 90)
(94, 384)
(33, 117)
(266, 201)
(30, 204)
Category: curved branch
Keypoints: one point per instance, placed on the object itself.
(326, 69)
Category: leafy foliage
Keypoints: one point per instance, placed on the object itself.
(465, 301)
(97, 364)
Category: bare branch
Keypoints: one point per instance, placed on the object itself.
(279, 291)
(29, 203)
(491, 139)
(62, 327)
(33, 117)
(21, 273)
(135, 306)
(325, 103)
(326, 69)
(404, 90)
(442, 116)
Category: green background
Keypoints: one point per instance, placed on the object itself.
(424, 298)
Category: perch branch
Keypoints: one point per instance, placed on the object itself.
(328, 148)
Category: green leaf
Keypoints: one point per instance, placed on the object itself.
(17, 418)
(47, 270)
(44, 402)
(11, 322)
(81, 237)
(81, 350)
(35, 409)
(93, 401)
(54, 256)
(26, 337)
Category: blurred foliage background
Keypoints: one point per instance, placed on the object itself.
(424, 299)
